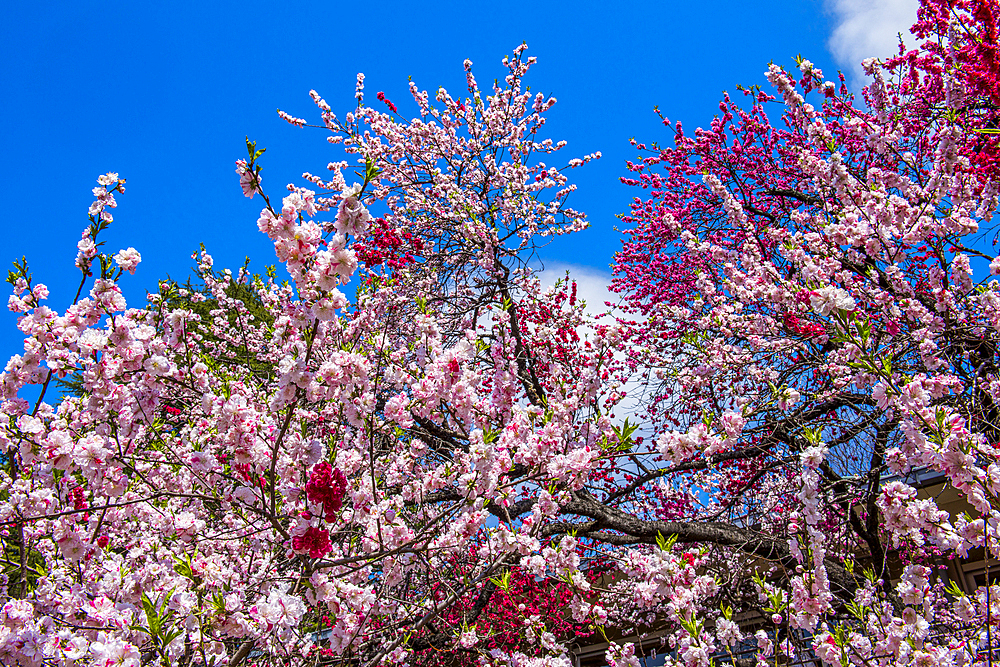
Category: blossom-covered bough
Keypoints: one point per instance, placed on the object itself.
(251, 470)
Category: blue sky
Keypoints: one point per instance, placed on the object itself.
(165, 94)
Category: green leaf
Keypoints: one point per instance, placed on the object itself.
(858, 611)
(953, 590)
(624, 434)
(666, 543)
(502, 582)
(371, 171)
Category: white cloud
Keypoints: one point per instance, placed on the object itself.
(592, 288)
(591, 284)
(868, 28)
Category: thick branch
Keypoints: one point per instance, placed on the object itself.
(631, 530)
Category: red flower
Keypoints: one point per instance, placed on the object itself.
(381, 98)
(315, 540)
(327, 485)
(76, 495)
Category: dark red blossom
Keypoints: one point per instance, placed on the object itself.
(382, 98)
(796, 325)
(76, 496)
(327, 485)
(388, 246)
(315, 540)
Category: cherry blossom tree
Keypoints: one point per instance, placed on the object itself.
(258, 469)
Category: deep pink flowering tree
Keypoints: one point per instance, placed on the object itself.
(810, 282)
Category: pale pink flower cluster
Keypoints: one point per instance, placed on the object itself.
(829, 300)
(249, 181)
(104, 197)
(128, 259)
